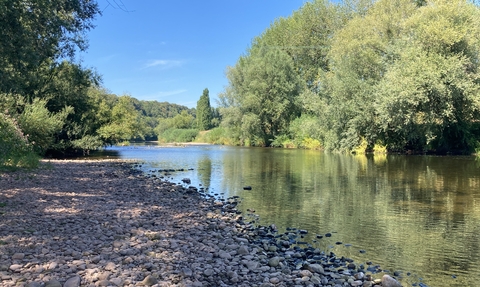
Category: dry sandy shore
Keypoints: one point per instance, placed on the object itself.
(100, 223)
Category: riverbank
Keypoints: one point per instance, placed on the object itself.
(102, 223)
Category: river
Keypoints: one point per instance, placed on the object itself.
(417, 216)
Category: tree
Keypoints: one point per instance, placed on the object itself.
(306, 37)
(36, 32)
(123, 122)
(263, 89)
(204, 112)
(406, 75)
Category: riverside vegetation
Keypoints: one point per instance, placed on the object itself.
(354, 75)
(106, 224)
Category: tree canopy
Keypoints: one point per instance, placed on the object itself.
(397, 74)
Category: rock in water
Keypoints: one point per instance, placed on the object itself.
(388, 281)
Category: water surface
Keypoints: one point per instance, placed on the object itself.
(417, 215)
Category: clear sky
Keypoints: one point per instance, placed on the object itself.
(170, 50)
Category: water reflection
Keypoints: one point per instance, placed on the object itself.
(415, 214)
(205, 171)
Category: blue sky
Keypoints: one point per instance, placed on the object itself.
(168, 50)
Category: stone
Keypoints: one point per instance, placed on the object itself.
(187, 272)
(18, 256)
(52, 265)
(306, 273)
(110, 266)
(315, 280)
(273, 262)
(389, 281)
(316, 268)
(359, 275)
(274, 280)
(208, 272)
(15, 267)
(251, 265)
(243, 250)
(102, 283)
(53, 283)
(34, 284)
(149, 281)
(104, 275)
(225, 255)
(117, 281)
(73, 282)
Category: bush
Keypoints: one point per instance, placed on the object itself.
(361, 148)
(41, 125)
(309, 143)
(15, 150)
(283, 141)
(178, 135)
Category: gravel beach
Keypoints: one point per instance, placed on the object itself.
(102, 223)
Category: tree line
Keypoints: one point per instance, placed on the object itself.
(358, 75)
(51, 104)
(387, 75)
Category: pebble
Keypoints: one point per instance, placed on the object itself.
(72, 282)
(388, 281)
(104, 224)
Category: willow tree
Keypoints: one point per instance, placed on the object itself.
(262, 95)
(406, 75)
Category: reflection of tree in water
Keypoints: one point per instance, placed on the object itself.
(416, 213)
(205, 171)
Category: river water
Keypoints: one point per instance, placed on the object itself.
(417, 216)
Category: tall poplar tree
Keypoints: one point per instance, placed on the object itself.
(204, 112)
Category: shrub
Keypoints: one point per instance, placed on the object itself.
(15, 150)
(309, 143)
(178, 135)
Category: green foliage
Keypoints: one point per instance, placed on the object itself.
(309, 143)
(305, 37)
(262, 98)
(283, 141)
(36, 32)
(218, 135)
(174, 135)
(204, 112)
(361, 148)
(379, 148)
(164, 110)
(123, 122)
(40, 125)
(181, 121)
(15, 150)
(88, 143)
(407, 75)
